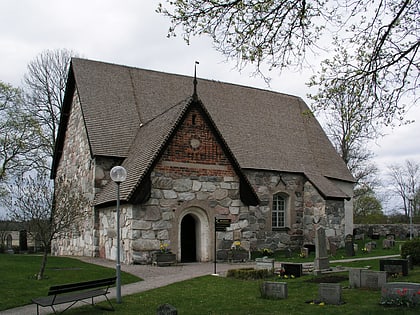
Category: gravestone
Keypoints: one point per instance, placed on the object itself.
(304, 252)
(310, 247)
(166, 309)
(333, 249)
(410, 262)
(265, 263)
(330, 293)
(372, 279)
(274, 290)
(389, 241)
(386, 244)
(291, 269)
(395, 291)
(394, 266)
(356, 247)
(375, 236)
(364, 278)
(287, 253)
(349, 245)
(321, 261)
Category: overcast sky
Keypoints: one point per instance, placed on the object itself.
(129, 32)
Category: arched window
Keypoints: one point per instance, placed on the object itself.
(278, 219)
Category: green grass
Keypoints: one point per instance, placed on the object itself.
(18, 284)
(204, 295)
(226, 296)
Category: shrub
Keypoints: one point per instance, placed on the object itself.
(248, 273)
(411, 248)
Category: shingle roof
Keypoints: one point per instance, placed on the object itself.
(127, 109)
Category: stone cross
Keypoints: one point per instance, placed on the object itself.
(321, 261)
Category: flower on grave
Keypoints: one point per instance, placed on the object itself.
(364, 250)
(164, 248)
(236, 245)
(321, 304)
(401, 298)
(292, 276)
(302, 255)
(266, 251)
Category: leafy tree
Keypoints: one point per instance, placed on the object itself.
(45, 215)
(405, 182)
(380, 40)
(367, 208)
(19, 135)
(347, 125)
(45, 84)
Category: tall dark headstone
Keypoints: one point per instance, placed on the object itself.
(349, 245)
(321, 261)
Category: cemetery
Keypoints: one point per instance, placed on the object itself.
(289, 281)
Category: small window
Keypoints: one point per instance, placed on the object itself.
(193, 119)
(278, 211)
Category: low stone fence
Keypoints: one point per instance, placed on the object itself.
(401, 231)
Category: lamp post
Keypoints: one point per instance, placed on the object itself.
(118, 175)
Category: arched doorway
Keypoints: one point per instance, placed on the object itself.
(194, 236)
(188, 239)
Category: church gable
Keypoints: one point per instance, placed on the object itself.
(194, 150)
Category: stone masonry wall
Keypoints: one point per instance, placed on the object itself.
(77, 165)
(193, 176)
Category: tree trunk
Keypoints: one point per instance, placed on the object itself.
(40, 275)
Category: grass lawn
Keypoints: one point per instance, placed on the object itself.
(18, 283)
(204, 295)
(227, 296)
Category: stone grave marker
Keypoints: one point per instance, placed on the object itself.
(372, 279)
(321, 261)
(166, 309)
(410, 262)
(304, 252)
(333, 249)
(390, 237)
(354, 277)
(364, 278)
(330, 293)
(310, 247)
(394, 266)
(274, 290)
(349, 245)
(288, 253)
(386, 244)
(265, 263)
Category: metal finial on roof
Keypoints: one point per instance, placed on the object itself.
(195, 80)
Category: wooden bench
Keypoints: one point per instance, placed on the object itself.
(75, 292)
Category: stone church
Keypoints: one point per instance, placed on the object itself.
(194, 150)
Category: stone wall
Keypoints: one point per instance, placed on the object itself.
(401, 231)
(76, 165)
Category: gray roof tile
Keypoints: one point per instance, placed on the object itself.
(134, 110)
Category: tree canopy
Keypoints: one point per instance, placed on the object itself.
(19, 134)
(375, 42)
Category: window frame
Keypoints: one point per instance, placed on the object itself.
(274, 204)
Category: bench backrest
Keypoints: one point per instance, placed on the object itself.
(71, 287)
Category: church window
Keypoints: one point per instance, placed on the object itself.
(279, 211)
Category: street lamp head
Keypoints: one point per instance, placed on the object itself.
(118, 174)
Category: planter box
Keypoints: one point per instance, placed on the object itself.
(163, 259)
